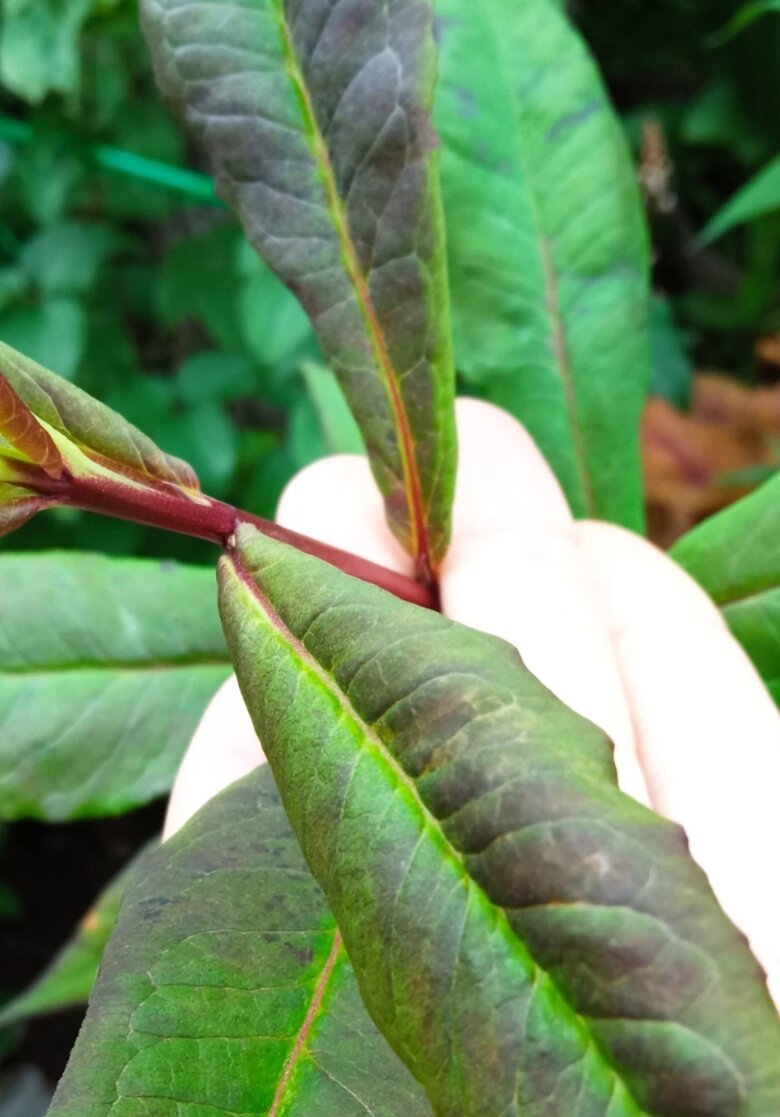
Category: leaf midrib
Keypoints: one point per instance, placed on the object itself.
(410, 479)
(311, 666)
(173, 664)
(312, 1013)
(554, 314)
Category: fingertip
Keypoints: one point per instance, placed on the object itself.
(636, 577)
(503, 478)
(514, 570)
(223, 749)
(708, 731)
(336, 501)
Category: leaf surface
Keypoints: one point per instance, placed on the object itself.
(316, 117)
(95, 429)
(21, 435)
(527, 937)
(757, 198)
(68, 980)
(735, 556)
(105, 668)
(744, 17)
(547, 247)
(226, 990)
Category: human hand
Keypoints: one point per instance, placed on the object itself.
(605, 620)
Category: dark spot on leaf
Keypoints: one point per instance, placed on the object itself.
(574, 119)
(304, 956)
(467, 102)
(153, 905)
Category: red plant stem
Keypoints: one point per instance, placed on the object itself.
(164, 506)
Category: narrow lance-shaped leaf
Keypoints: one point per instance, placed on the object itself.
(547, 247)
(528, 938)
(58, 445)
(735, 556)
(106, 666)
(21, 435)
(53, 407)
(757, 198)
(744, 17)
(225, 988)
(67, 982)
(316, 117)
(27, 453)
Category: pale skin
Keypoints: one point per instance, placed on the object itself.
(605, 620)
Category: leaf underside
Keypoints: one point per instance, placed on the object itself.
(106, 666)
(94, 428)
(225, 988)
(527, 937)
(17, 506)
(20, 431)
(547, 247)
(316, 117)
(735, 556)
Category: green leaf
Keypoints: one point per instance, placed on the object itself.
(210, 377)
(199, 280)
(317, 122)
(744, 17)
(39, 46)
(12, 285)
(50, 172)
(321, 422)
(274, 326)
(547, 246)
(67, 982)
(759, 197)
(22, 439)
(68, 257)
(339, 430)
(226, 990)
(87, 424)
(528, 938)
(718, 117)
(735, 556)
(672, 373)
(53, 332)
(106, 666)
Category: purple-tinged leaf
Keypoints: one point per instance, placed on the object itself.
(226, 991)
(529, 939)
(317, 119)
(98, 432)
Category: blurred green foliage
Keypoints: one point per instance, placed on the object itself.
(127, 277)
(716, 98)
(133, 283)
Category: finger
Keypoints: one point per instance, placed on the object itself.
(514, 569)
(709, 733)
(223, 749)
(337, 502)
(497, 576)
